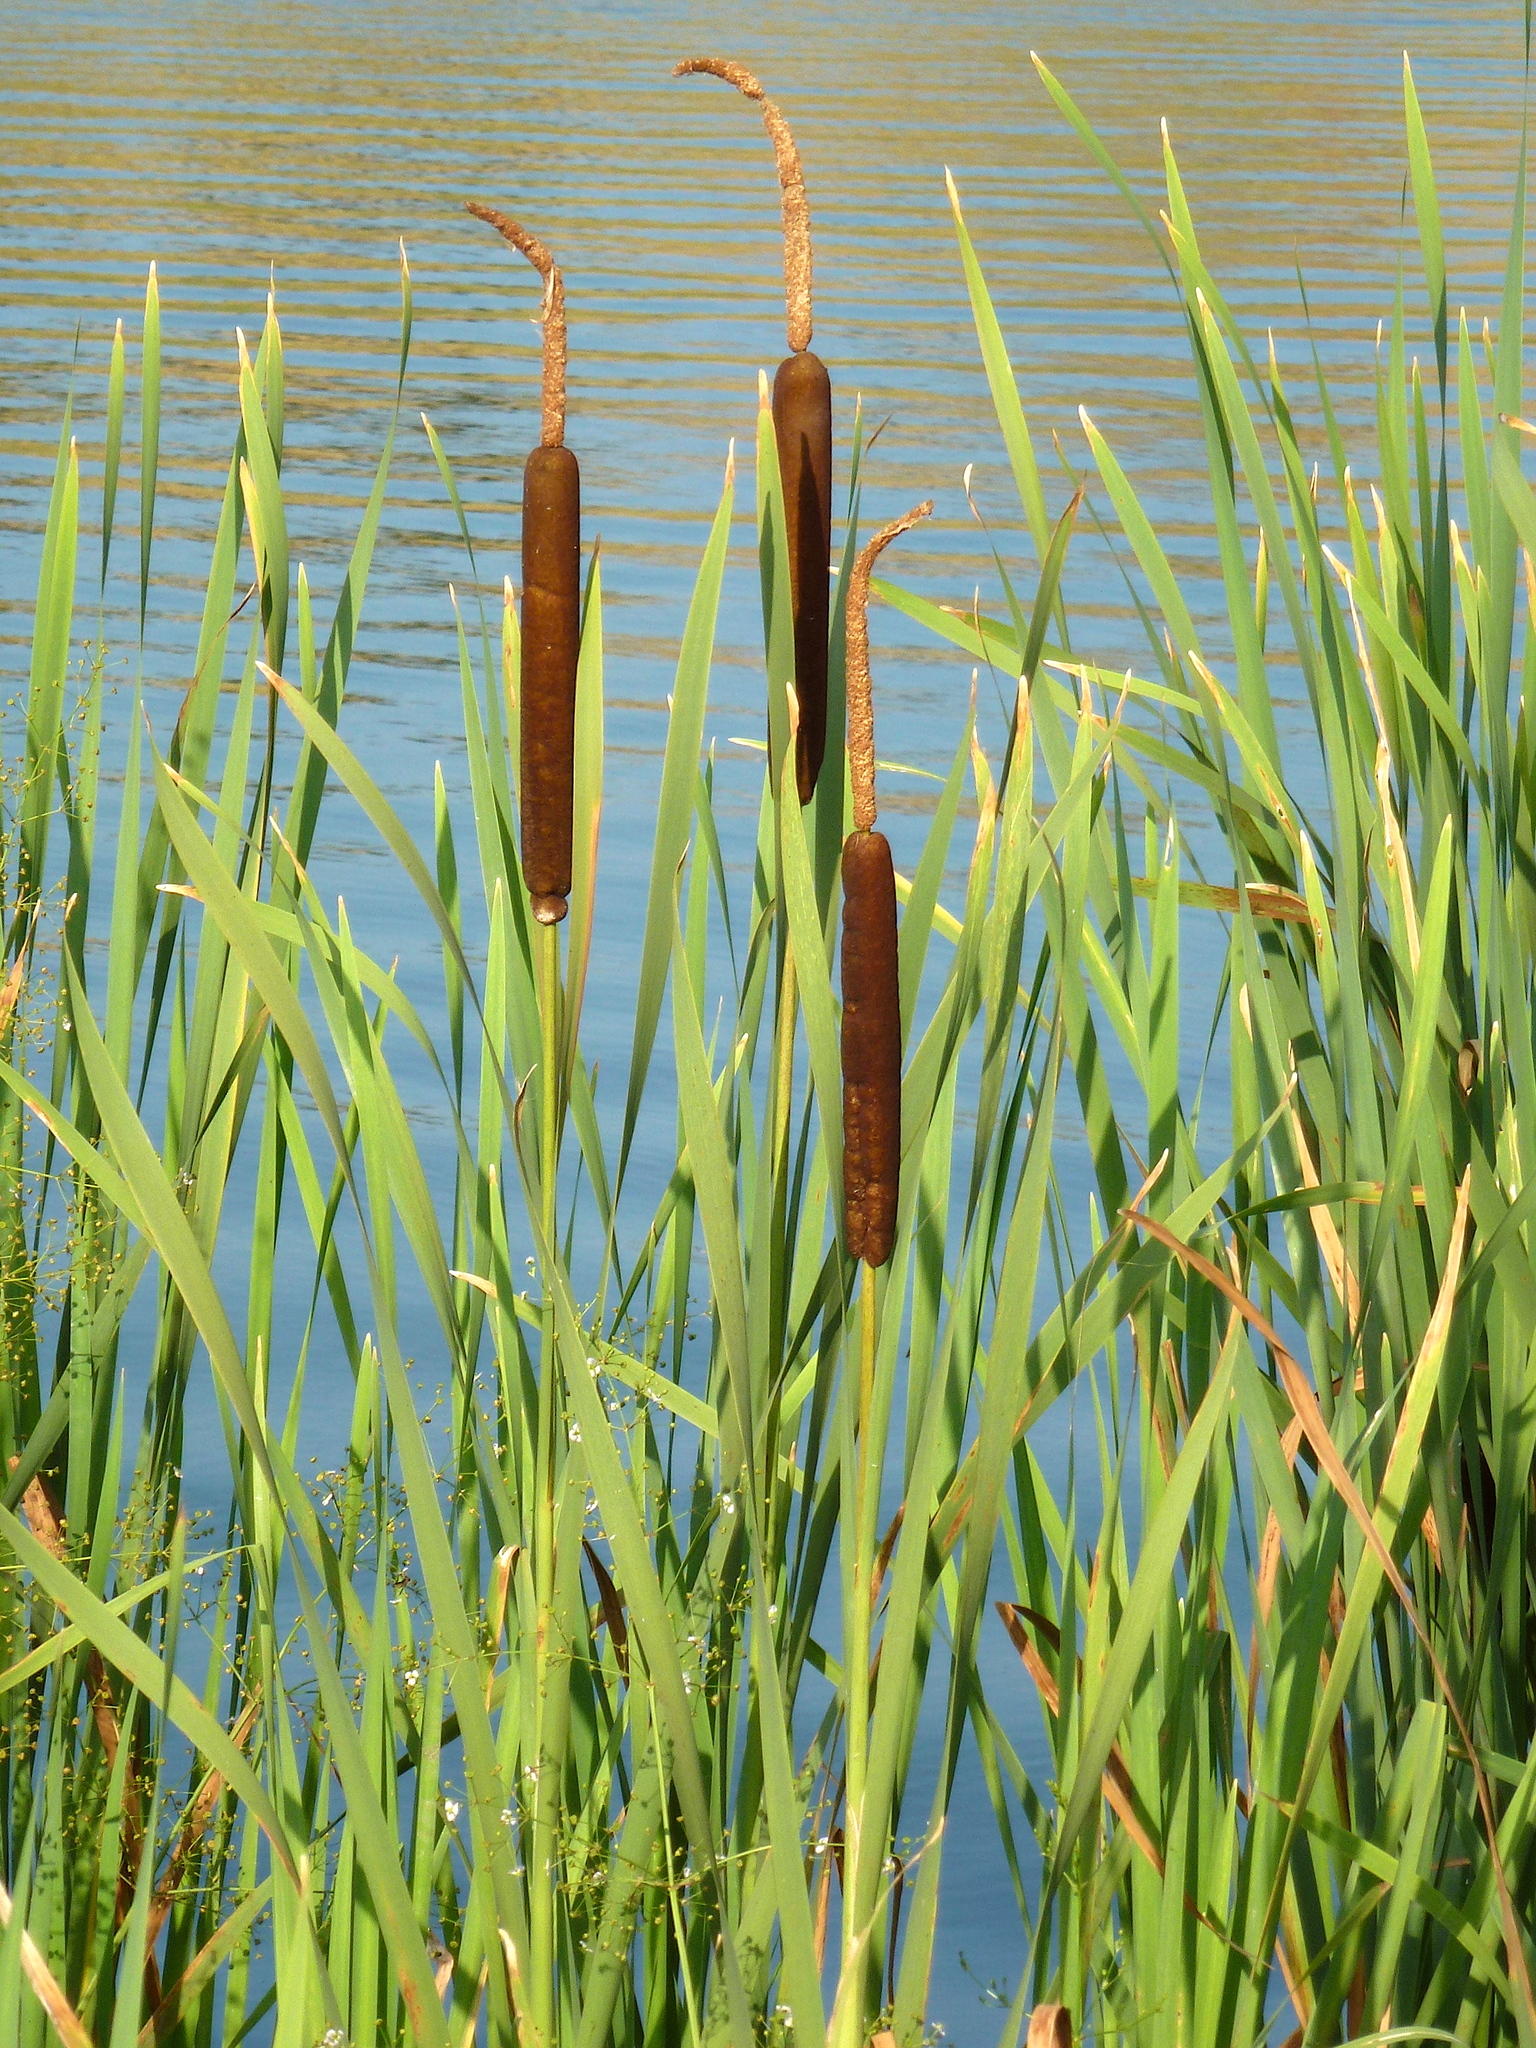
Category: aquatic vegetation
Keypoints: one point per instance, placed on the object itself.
(578, 1697)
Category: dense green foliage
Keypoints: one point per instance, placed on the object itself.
(584, 1710)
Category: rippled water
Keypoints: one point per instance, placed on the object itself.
(307, 139)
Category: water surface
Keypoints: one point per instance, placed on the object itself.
(305, 141)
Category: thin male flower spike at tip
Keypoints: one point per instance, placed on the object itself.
(552, 317)
(797, 212)
(861, 708)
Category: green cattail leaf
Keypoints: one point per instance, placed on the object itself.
(1408, 1132)
(812, 974)
(376, 1837)
(922, 913)
(774, 580)
(674, 811)
(122, 1647)
(1102, 157)
(116, 380)
(149, 436)
(653, 1622)
(587, 810)
(1414, 1890)
(51, 634)
(265, 515)
(1154, 1570)
(715, 1182)
(1004, 386)
(1426, 205)
(309, 776)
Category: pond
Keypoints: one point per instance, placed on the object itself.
(301, 143)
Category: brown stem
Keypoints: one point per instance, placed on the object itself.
(552, 316)
(861, 703)
(797, 213)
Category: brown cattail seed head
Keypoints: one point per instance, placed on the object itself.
(802, 424)
(552, 317)
(797, 213)
(861, 706)
(551, 642)
(871, 1048)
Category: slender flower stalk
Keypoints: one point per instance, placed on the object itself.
(871, 1060)
(551, 638)
(802, 424)
(551, 605)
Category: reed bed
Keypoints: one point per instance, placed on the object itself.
(601, 1726)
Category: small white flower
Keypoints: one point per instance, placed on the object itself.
(728, 1503)
(507, 1817)
(450, 1810)
(574, 1432)
(412, 1680)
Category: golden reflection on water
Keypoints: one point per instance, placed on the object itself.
(311, 137)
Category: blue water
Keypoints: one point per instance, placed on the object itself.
(309, 139)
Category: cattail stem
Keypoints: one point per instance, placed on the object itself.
(858, 1628)
(861, 704)
(797, 212)
(547, 716)
(550, 1678)
(552, 318)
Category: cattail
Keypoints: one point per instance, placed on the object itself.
(802, 426)
(1050, 2026)
(871, 1048)
(871, 982)
(551, 606)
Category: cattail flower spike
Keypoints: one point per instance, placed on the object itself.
(551, 315)
(797, 212)
(861, 706)
(551, 638)
(802, 427)
(871, 1044)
